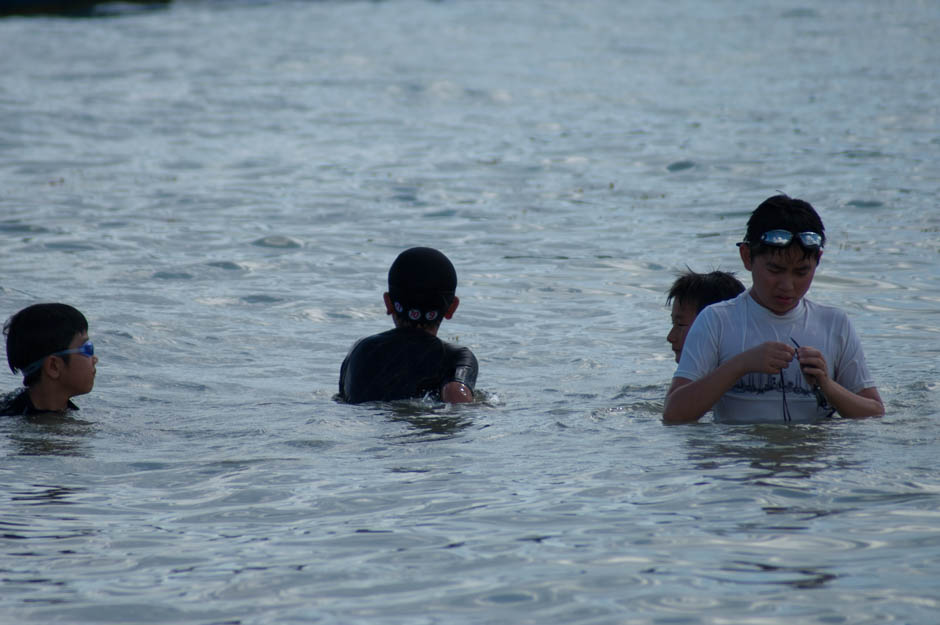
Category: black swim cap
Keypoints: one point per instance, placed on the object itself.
(422, 282)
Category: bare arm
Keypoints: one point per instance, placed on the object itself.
(688, 400)
(865, 403)
(681, 406)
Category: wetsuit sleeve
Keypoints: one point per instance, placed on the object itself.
(342, 376)
(342, 371)
(465, 367)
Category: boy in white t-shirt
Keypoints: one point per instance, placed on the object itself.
(770, 355)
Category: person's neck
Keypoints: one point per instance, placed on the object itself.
(48, 399)
(432, 330)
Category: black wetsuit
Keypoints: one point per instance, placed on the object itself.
(403, 363)
(18, 404)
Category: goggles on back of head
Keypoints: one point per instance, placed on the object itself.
(783, 238)
(416, 314)
(86, 349)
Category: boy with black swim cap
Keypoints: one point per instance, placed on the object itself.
(771, 355)
(48, 344)
(409, 361)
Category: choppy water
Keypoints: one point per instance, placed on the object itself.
(221, 186)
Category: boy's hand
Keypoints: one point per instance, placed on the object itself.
(769, 357)
(456, 393)
(813, 365)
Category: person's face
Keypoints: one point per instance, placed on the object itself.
(780, 279)
(683, 314)
(78, 376)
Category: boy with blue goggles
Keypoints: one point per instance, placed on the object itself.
(48, 344)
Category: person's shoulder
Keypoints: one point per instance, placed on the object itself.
(371, 338)
(811, 303)
(374, 338)
(14, 403)
(18, 404)
(404, 334)
(735, 302)
(458, 349)
(727, 305)
(394, 337)
(827, 312)
(724, 309)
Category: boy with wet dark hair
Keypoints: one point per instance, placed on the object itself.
(770, 355)
(48, 344)
(692, 292)
(409, 361)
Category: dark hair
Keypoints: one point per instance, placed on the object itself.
(39, 330)
(421, 282)
(781, 212)
(704, 289)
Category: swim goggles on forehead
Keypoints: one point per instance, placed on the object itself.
(783, 238)
(86, 349)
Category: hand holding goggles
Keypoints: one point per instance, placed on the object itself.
(821, 400)
(86, 349)
(783, 238)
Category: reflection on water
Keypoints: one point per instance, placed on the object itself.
(774, 450)
(743, 572)
(226, 222)
(428, 420)
(50, 434)
(43, 495)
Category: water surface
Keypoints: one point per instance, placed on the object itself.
(221, 186)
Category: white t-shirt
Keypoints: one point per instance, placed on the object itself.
(724, 330)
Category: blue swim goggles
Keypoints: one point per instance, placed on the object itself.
(783, 238)
(86, 349)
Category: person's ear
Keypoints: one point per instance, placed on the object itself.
(389, 308)
(819, 258)
(53, 367)
(452, 308)
(745, 252)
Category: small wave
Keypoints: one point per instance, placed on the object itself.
(680, 165)
(277, 241)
